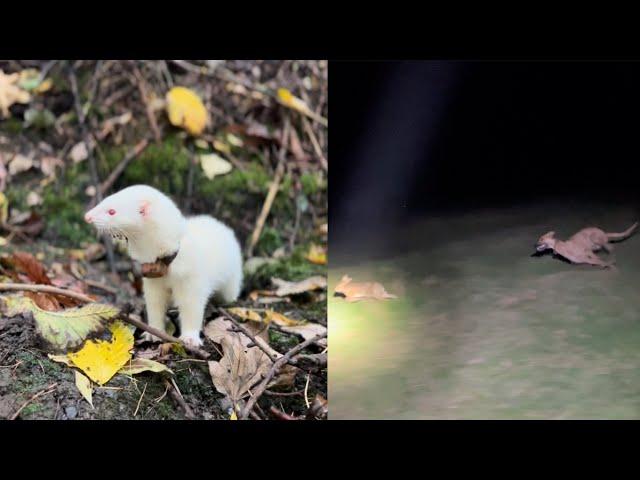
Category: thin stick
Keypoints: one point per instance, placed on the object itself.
(273, 189)
(101, 286)
(143, 93)
(280, 414)
(49, 389)
(283, 394)
(133, 153)
(306, 389)
(260, 343)
(274, 368)
(314, 142)
(174, 391)
(140, 399)
(165, 336)
(46, 289)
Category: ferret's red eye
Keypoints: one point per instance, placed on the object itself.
(112, 211)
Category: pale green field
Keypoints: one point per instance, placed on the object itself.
(483, 330)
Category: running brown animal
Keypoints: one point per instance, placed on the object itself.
(580, 247)
(354, 292)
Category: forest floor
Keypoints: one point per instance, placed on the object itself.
(256, 141)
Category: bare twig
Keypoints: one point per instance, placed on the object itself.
(150, 114)
(283, 394)
(165, 336)
(101, 286)
(273, 189)
(258, 342)
(46, 289)
(280, 414)
(140, 399)
(47, 390)
(314, 142)
(175, 393)
(133, 153)
(274, 369)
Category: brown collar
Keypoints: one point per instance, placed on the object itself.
(158, 268)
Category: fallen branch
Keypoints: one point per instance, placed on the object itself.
(273, 189)
(45, 289)
(49, 389)
(314, 142)
(164, 336)
(175, 393)
(274, 369)
(280, 414)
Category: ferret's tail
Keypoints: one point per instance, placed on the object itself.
(616, 237)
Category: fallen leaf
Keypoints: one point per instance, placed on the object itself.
(99, 359)
(66, 329)
(317, 255)
(246, 314)
(33, 199)
(235, 141)
(19, 164)
(4, 208)
(221, 147)
(202, 144)
(79, 152)
(48, 165)
(29, 265)
(280, 319)
(186, 110)
(307, 331)
(233, 416)
(11, 93)
(84, 386)
(292, 288)
(61, 359)
(239, 369)
(221, 328)
(139, 365)
(213, 165)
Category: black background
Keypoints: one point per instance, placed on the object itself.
(411, 138)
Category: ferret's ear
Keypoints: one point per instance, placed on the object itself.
(144, 208)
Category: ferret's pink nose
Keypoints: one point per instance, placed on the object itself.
(88, 218)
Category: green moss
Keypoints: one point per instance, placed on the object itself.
(63, 210)
(269, 242)
(293, 268)
(313, 183)
(12, 126)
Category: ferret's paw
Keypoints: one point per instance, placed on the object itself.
(148, 337)
(191, 338)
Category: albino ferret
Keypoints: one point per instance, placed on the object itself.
(202, 254)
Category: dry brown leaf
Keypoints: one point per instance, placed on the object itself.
(20, 163)
(29, 265)
(10, 93)
(292, 288)
(239, 369)
(307, 331)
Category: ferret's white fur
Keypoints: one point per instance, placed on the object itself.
(209, 259)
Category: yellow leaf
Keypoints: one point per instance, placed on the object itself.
(84, 386)
(280, 319)
(246, 314)
(317, 255)
(291, 101)
(186, 110)
(4, 208)
(214, 165)
(3, 242)
(44, 86)
(233, 416)
(65, 329)
(99, 359)
(221, 147)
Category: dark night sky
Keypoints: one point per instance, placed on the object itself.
(411, 138)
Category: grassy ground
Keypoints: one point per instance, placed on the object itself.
(484, 330)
